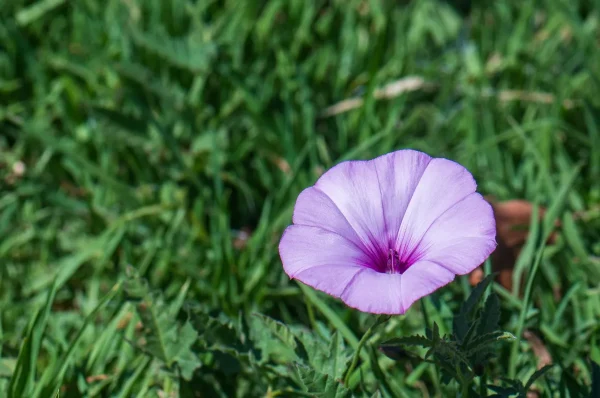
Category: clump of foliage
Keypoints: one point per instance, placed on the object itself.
(171, 138)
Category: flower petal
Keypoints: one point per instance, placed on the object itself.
(421, 279)
(374, 195)
(461, 238)
(354, 188)
(303, 247)
(442, 185)
(360, 288)
(399, 174)
(314, 208)
(375, 292)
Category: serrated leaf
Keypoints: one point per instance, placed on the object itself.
(159, 330)
(396, 353)
(335, 362)
(273, 338)
(462, 322)
(483, 341)
(319, 384)
(311, 350)
(503, 391)
(471, 332)
(165, 339)
(471, 303)
(188, 362)
(538, 373)
(187, 336)
(490, 316)
(278, 330)
(415, 340)
(460, 327)
(484, 355)
(435, 334)
(448, 350)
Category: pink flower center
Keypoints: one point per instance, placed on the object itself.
(394, 264)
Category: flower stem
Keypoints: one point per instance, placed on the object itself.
(465, 390)
(483, 386)
(380, 319)
(465, 385)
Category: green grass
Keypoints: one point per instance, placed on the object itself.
(164, 145)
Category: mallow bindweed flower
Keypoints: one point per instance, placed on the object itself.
(382, 233)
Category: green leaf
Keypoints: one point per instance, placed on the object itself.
(319, 384)
(36, 11)
(330, 359)
(141, 79)
(558, 204)
(435, 336)
(165, 339)
(549, 219)
(7, 367)
(415, 340)
(273, 338)
(337, 358)
(460, 327)
(482, 341)
(471, 303)
(503, 391)
(490, 316)
(128, 122)
(385, 386)
(471, 333)
(277, 329)
(22, 381)
(538, 373)
(61, 366)
(188, 362)
(461, 324)
(396, 353)
(448, 352)
(190, 53)
(312, 349)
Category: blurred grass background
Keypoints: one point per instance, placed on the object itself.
(168, 141)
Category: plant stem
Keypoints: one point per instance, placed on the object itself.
(482, 385)
(361, 343)
(464, 382)
(465, 390)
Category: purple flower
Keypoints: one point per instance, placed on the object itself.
(382, 233)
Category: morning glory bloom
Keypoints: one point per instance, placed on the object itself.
(382, 233)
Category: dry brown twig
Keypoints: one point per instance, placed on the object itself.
(415, 83)
(389, 91)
